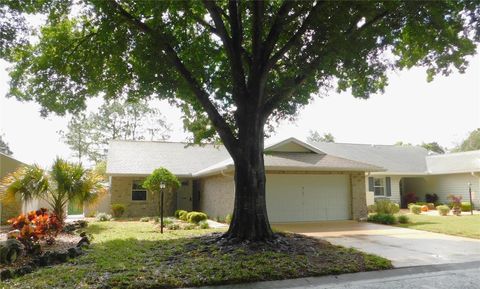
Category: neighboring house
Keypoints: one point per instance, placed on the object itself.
(9, 209)
(413, 169)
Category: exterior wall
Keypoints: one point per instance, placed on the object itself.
(9, 208)
(121, 193)
(394, 185)
(217, 196)
(359, 196)
(456, 184)
(103, 205)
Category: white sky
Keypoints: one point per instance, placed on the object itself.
(411, 110)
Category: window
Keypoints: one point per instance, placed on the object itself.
(379, 186)
(139, 193)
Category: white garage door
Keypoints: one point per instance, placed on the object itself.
(297, 198)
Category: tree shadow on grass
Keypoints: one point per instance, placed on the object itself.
(95, 228)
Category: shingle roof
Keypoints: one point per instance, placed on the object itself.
(464, 162)
(142, 157)
(295, 161)
(398, 159)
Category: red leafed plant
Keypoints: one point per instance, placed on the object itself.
(36, 225)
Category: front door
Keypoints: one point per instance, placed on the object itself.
(75, 208)
(184, 195)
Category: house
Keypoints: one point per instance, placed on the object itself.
(9, 209)
(305, 181)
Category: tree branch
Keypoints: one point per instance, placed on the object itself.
(218, 121)
(276, 29)
(232, 46)
(308, 68)
(258, 10)
(296, 36)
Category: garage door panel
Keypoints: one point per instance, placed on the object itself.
(296, 198)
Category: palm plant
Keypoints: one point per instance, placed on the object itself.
(66, 182)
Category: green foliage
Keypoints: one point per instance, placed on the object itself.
(64, 182)
(386, 219)
(385, 207)
(466, 206)
(315, 136)
(403, 219)
(196, 217)
(416, 209)
(178, 213)
(145, 219)
(166, 221)
(118, 210)
(4, 148)
(159, 176)
(433, 147)
(203, 225)
(183, 215)
(431, 198)
(443, 210)
(471, 143)
(228, 218)
(103, 217)
(172, 226)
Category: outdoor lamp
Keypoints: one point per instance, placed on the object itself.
(162, 188)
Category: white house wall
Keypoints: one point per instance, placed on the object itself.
(395, 187)
(456, 184)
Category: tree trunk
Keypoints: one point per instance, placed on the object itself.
(250, 220)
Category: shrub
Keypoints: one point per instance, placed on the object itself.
(411, 198)
(103, 217)
(172, 226)
(203, 225)
(403, 219)
(178, 213)
(416, 209)
(410, 204)
(431, 198)
(421, 203)
(456, 204)
(431, 206)
(145, 219)
(196, 217)
(228, 218)
(35, 226)
(386, 219)
(189, 227)
(466, 206)
(443, 210)
(386, 207)
(372, 208)
(183, 216)
(118, 210)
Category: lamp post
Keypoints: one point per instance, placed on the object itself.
(162, 188)
(470, 194)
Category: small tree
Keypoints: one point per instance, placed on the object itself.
(315, 136)
(161, 179)
(65, 182)
(433, 147)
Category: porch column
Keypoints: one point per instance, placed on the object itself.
(359, 196)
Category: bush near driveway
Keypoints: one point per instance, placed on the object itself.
(443, 210)
(416, 209)
(136, 255)
(387, 219)
(384, 207)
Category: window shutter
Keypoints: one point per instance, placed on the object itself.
(370, 184)
(388, 186)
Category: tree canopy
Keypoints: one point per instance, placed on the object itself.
(434, 147)
(315, 136)
(471, 143)
(233, 67)
(4, 147)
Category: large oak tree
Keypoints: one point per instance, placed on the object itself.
(234, 67)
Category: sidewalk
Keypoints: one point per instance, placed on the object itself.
(451, 276)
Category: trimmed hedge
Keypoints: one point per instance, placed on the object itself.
(385, 207)
(196, 217)
(178, 213)
(386, 219)
(118, 210)
(403, 219)
(466, 207)
(443, 210)
(416, 209)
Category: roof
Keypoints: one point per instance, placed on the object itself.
(297, 161)
(397, 159)
(142, 157)
(464, 162)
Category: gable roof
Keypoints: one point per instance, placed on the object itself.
(464, 162)
(395, 159)
(140, 158)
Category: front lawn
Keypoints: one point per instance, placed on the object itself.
(135, 255)
(466, 225)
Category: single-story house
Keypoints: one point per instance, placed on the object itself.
(305, 181)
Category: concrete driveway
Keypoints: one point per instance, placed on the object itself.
(404, 247)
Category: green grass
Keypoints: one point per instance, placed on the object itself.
(466, 226)
(136, 255)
